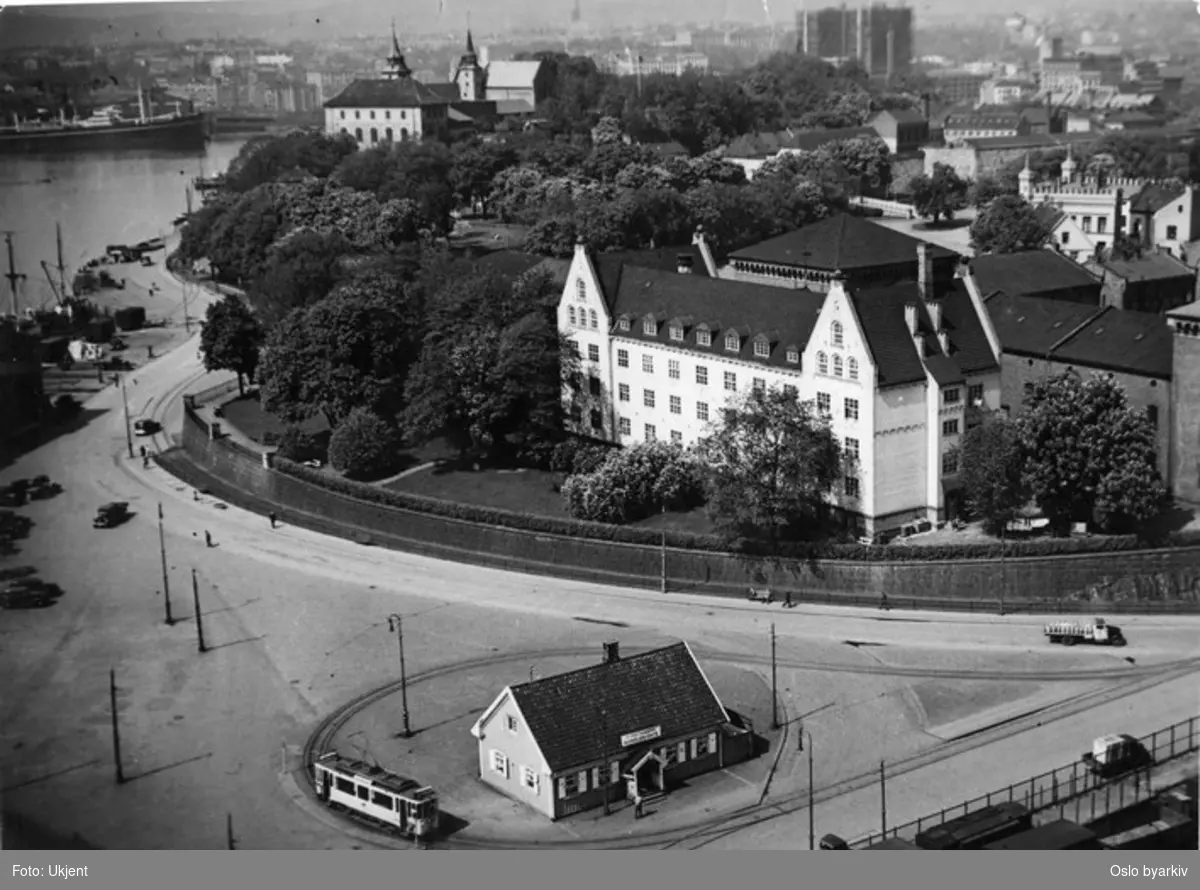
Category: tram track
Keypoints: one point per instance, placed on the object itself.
(704, 832)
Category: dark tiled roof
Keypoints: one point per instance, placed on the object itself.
(882, 314)
(1050, 214)
(785, 317)
(1034, 140)
(904, 115)
(664, 688)
(982, 121)
(1030, 326)
(944, 370)
(448, 91)
(1155, 196)
(1132, 342)
(1031, 272)
(398, 93)
(1151, 267)
(842, 242)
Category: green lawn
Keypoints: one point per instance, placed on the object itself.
(247, 415)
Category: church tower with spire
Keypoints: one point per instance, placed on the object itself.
(397, 68)
(470, 77)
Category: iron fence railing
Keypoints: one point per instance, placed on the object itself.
(1074, 790)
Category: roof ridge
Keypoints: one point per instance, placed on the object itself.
(589, 667)
(1078, 329)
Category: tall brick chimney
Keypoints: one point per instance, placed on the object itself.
(612, 652)
(925, 270)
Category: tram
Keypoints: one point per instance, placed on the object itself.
(404, 805)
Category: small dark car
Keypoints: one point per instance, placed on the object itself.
(146, 427)
(111, 515)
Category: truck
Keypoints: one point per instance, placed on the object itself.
(1114, 755)
(1097, 631)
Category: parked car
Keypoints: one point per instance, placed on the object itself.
(1114, 755)
(43, 490)
(111, 515)
(12, 497)
(146, 427)
(29, 593)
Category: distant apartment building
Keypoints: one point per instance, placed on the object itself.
(329, 83)
(957, 86)
(959, 128)
(273, 60)
(1005, 91)
(631, 65)
(879, 37)
(202, 94)
(219, 64)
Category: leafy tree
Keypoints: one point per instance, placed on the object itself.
(772, 463)
(609, 159)
(608, 130)
(1007, 225)
(300, 269)
(230, 339)
(937, 197)
(297, 444)
(364, 445)
(991, 462)
(985, 188)
(476, 165)
(1089, 456)
(266, 158)
(634, 482)
(241, 236)
(554, 236)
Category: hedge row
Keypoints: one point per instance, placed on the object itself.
(713, 544)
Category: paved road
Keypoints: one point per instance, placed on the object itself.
(297, 622)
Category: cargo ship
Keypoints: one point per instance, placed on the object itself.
(107, 130)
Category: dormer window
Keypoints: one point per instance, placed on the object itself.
(731, 342)
(822, 363)
(704, 337)
(852, 368)
(835, 334)
(623, 324)
(762, 349)
(580, 290)
(837, 366)
(793, 356)
(649, 326)
(677, 332)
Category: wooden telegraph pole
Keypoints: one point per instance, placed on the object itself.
(199, 619)
(162, 549)
(116, 729)
(883, 799)
(774, 685)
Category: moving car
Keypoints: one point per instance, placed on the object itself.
(146, 427)
(1113, 755)
(111, 514)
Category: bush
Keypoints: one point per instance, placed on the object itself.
(364, 445)
(632, 483)
(300, 446)
(576, 455)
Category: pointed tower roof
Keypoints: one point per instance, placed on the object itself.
(399, 68)
(470, 58)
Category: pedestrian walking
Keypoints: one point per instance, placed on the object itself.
(145, 460)
(638, 807)
(208, 538)
(787, 599)
(195, 495)
(272, 517)
(142, 451)
(883, 603)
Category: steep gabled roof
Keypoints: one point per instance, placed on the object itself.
(1050, 214)
(1155, 196)
(512, 75)
(1030, 325)
(842, 242)
(1031, 272)
(1151, 267)
(662, 688)
(1118, 340)
(903, 116)
(401, 92)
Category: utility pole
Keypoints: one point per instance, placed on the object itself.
(395, 624)
(162, 549)
(883, 799)
(812, 828)
(12, 276)
(199, 619)
(125, 403)
(229, 832)
(663, 585)
(774, 693)
(116, 729)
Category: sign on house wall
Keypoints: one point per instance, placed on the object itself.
(642, 735)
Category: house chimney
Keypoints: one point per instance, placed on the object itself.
(683, 263)
(935, 314)
(919, 342)
(612, 652)
(963, 269)
(1119, 216)
(944, 342)
(925, 106)
(925, 270)
(910, 317)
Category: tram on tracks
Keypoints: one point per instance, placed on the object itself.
(372, 792)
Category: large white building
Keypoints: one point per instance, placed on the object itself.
(900, 367)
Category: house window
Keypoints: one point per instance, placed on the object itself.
(1172, 233)
(374, 135)
(343, 115)
(648, 398)
(730, 381)
(762, 349)
(594, 385)
(702, 375)
(835, 334)
(731, 342)
(824, 404)
(852, 487)
(592, 314)
(676, 405)
(676, 437)
(568, 786)
(576, 414)
(704, 337)
(358, 115)
(952, 396)
(790, 391)
(580, 290)
(1101, 225)
(1066, 237)
(852, 449)
(1152, 415)
(676, 332)
(510, 723)
(499, 763)
(949, 463)
(358, 134)
(622, 392)
(837, 366)
(793, 356)
(1028, 390)
(593, 352)
(575, 349)
(759, 384)
(702, 410)
(623, 324)
(673, 368)
(529, 778)
(852, 368)
(975, 394)
(1087, 223)
(649, 327)
(625, 426)
(822, 363)
(571, 315)
(372, 114)
(622, 357)
(387, 115)
(949, 427)
(651, 433)
(648, 364)
(852, 409)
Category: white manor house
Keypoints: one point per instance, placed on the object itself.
(901, 363)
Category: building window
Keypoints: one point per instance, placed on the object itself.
(704, 337)
(852, 486)
(574, 349)
(676, 405)
(623, 324)
(592, 314)
(759, 384)
(676, 332)
(822, 363)
(387, 115)
(702, 375)
(1152, 415)
(852, 409)
(358, 134)
(702, 411)
(529, 778)
(499, 763)
(648, 398)
(1028, 390)
(568, 786)
(648, 364)
(623, 392)
(1172, 233)
(835, 334)
(576, 414)
(1087, 223)
(1066, 237)
(597, 419)
(1101, 225)
(673, 368)
(790, 391)
(580, 290)
(793, 356)
(677, 437)
(593, 352)
(651, 433)
(357, 115)
(594, 385)
(852, 449)
(622, 358)
(975, 394)
(625, 426)
(949, 427)
(952, 396)
(949, 463)
(731, 342)
(343, 115)
(571, 315)
(649, 327)
(837, 366)
(510, 723)
(852, 368)
(762, 349)
(824, 404)
(730, 381)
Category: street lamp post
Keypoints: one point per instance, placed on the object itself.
(812, 828)
(774, 693)
(199, 618)
(162, 548)
(128, 432)
(396, 625)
